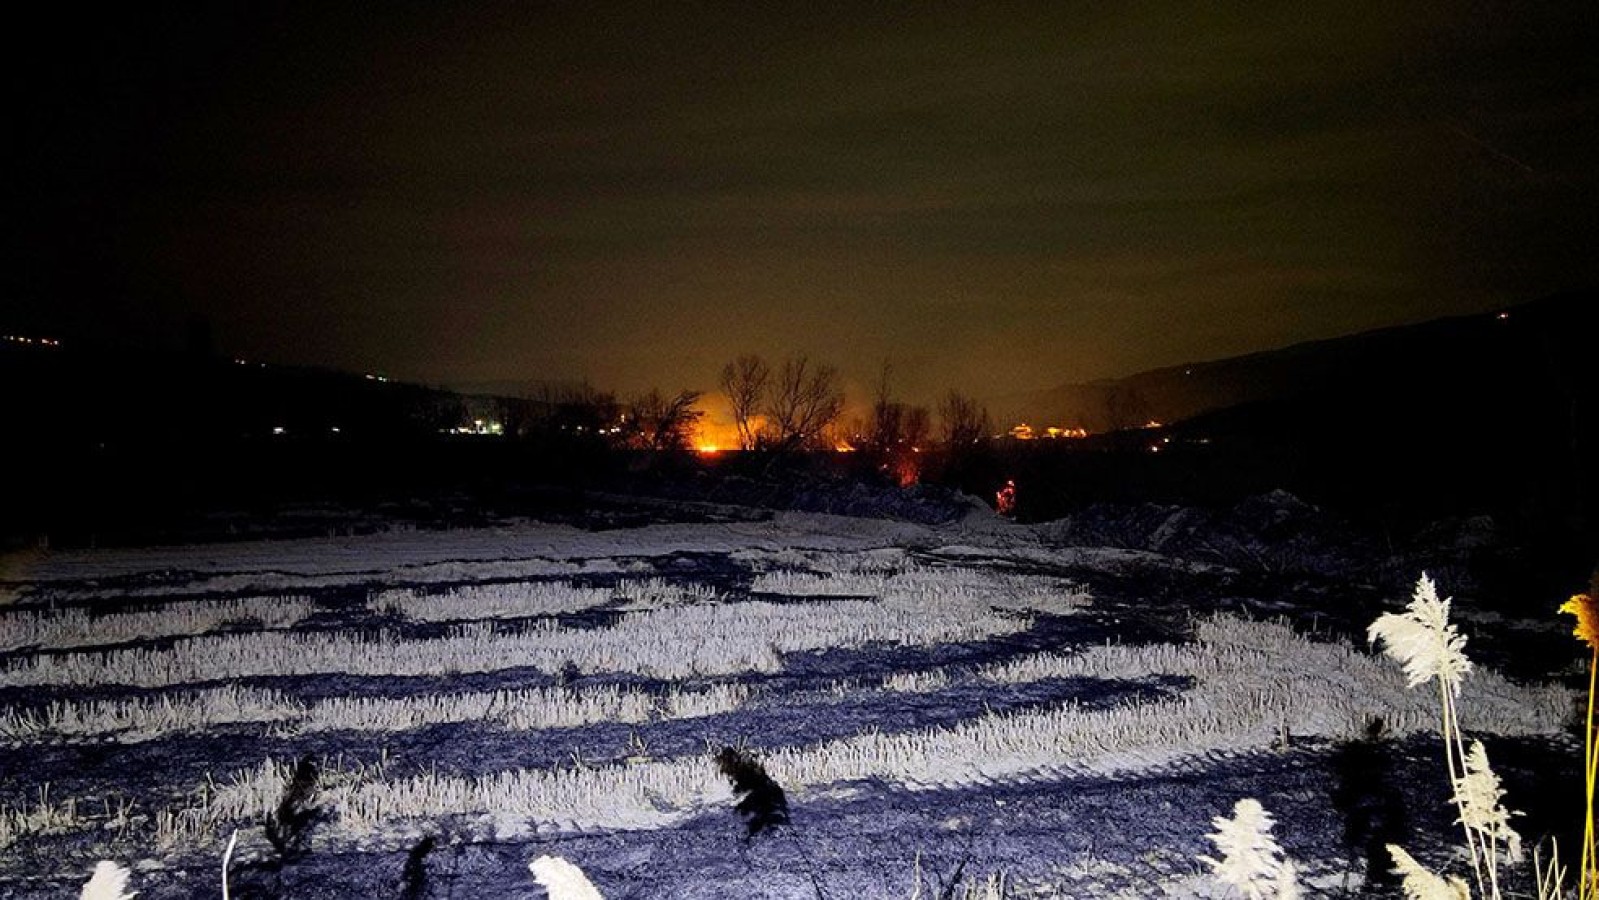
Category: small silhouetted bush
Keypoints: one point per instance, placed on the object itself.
(763, 805)
(288, 829)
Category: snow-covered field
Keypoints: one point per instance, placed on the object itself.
(958, 704)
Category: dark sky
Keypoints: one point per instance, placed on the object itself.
(999, 200)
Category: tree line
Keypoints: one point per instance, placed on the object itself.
(798, 404)
(793, 406)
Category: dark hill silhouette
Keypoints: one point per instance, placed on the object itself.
(82, 394)
(1530, 351)
(1492, 415)
(109, 443)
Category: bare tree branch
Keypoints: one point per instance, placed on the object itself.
(744, 382)
(965, 421)
(661, 423)
(805, 399)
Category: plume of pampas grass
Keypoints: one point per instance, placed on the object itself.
(1423, 640)
(1477, 793)
(1587, 612)
(107, 883)
(563, 880)
(1251, 859)
(1421, 884)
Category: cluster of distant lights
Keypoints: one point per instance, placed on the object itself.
(31, 341)
(1026, 432)
(281, 430)
(478, 427)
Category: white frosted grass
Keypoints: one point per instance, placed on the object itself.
(1311, 687)
(916, 682)
(728, 638)
(146, 718)
(49, 629)
(645, 795)
(977, 588)
(43, 816)
(658, 793)
(251, 795)
(712, 700)
(524, 710)
(674, 642)
(917, 584)
(490, 601)
(1001, 747)
(1263, 668)
(809, 584)
(654, 593)
(527, 600)
(638, 796)
(1251, 676)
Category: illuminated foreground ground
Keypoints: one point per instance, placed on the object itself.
(962, 702)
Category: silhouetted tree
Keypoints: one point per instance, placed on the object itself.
(580, 411)
(895, 434)
(664, 424)
(805, 399)
(963, 421)
(744, 382)
(917, 427)
(885, 429)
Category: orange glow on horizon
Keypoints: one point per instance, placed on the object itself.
(713, 436)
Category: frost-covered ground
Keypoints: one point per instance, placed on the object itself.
(972, 701)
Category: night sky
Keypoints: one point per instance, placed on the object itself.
(995, 200)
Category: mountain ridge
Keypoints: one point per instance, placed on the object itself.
(1395, 353)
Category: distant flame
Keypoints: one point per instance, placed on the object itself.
(711, 437)
(1005, 499)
